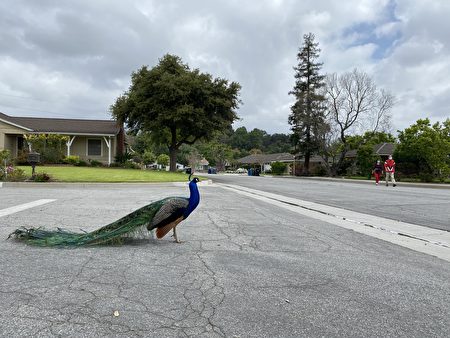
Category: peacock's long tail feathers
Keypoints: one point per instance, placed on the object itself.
(113, 233)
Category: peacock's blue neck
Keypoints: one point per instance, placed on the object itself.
(194, 198)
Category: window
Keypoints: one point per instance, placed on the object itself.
(20, 143)
(94, 147)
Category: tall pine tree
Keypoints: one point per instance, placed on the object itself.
(307, 116)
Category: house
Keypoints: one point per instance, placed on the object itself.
(98, 140)
(316, 164)
(264, 160)
(202, 165)
(381, 149)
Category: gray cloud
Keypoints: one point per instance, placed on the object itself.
(72, 59)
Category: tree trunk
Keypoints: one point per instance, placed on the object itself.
(341, 159)
(308, 146)
(306, 164)
(173, 151)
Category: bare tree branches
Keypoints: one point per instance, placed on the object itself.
(355, 105)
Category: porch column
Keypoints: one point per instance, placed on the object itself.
(108, 144)
(69, 144)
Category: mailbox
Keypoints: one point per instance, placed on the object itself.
(34, 158)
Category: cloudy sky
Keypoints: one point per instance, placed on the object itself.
(61, 58)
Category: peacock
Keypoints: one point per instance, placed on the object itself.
(163, 215)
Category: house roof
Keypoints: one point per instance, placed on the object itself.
(203, 162)
(312, 159)
(63, 126)
(266, 158)
(382, 149)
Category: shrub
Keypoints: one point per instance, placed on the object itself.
(41, 177)
(136, 159)
(426, 177)
(163, 159)
(148, 157)
(22, 157)
(320, 170)
(82, 163)
(123, 158)
(50, 146)
(15, 175)
(4, 156)
(95, 163)
(73, 160)
(130, 165)
(51, 155)
(278, 168)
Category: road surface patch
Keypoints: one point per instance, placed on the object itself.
(415, 237)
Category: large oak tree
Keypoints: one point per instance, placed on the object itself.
(177, 105)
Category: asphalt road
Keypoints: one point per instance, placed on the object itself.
(246, 268)
(423, 206)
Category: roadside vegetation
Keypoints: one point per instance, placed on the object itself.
(177, 116)
(104, 175)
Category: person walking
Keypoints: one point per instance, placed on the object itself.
(377, 171)
(389, 169)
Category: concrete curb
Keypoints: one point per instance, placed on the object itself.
(62, 185)
(347, 180)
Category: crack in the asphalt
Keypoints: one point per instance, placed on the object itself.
(343, 218)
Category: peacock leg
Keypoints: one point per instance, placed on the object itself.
(175, 235)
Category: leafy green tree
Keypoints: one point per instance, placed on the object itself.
(277, 143)
(148, 157)
(176, 104)
(307, 116)
(163, 159)
(217, 154)
(142, 142)
(365, 156)
(184, 154)
(256, 138)
(50, 146)
(426, 147)
(239, 139)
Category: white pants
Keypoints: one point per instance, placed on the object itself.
(391, 175)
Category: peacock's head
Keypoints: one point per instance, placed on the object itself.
(195, 179)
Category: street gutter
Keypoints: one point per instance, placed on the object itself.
(349, 180)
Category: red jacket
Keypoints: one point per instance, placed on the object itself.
(389, 166)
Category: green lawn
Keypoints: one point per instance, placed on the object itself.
(105, 175)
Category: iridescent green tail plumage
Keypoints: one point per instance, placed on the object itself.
(113, 233)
